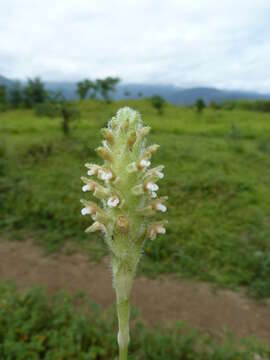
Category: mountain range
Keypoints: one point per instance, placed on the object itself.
(173, 94)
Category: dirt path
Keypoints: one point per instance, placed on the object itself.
(163, 300)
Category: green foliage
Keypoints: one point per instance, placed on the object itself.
(248, 105)
(158, 103)
(106, 87)
(47, 109)
(200, 105)
(214, 105)
(2, 165)
(34, 92)
(68, 112)
(15, 95)
(83, 88)
(259, 287)
(217, 179)
(103, 87)
(3, 97)
(32, 327)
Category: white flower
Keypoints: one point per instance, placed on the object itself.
(113, 201)
(160, 174)
(153, 194)
(91, 172)
(161, 207)
(86, 187)
(160, 229)
(86, 211)
(105, 175)
(156, 229)
(145, 163)
(152, 186)
(92, 169)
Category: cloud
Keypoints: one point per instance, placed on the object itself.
(186, 43)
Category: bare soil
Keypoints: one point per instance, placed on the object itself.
(160, 301)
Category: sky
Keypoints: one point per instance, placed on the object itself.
(187, 43)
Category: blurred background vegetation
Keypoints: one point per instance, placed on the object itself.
(217, 164)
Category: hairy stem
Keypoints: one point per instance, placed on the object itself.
(123, 334)
(122, 284)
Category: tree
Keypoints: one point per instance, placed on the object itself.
(34, 92)
(158, 103)
(126, 93)
(107, 86)
(139, 94)
(3, 97)
(200, 105)
(68, 113)
(83, 88)
(16, 95)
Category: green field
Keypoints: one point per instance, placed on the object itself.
(217, 168)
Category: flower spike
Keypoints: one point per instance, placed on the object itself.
(126, 188)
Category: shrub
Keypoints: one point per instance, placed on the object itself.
(15, 95)
(248, 105)
(158, 103)
(68, 113)
(48, 109)
(2, 160)
(35, 327)
(3, 98)
(38, 151)
(214, 105)
(200, 105)
(260, 286)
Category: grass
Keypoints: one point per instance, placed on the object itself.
(35, 327)
(217, 179)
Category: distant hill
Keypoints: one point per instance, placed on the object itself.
(181, 96)
(172, 94)
(5, 81)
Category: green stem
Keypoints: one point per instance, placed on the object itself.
(123, 353)
(123, 334)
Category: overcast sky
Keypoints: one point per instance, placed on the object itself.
(182, 42)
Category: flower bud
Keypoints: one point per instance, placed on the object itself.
(122, 223)
(96, 226)
(132, 139)
(108, 135)
(104, 153)
(143, 132)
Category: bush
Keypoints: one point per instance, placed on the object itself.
(39, 151)
(47, 109)
(33, 327)
(260, 286)
(214, 105)
(248, 105)
(200, 105)
(158, 103)
(2, 161)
